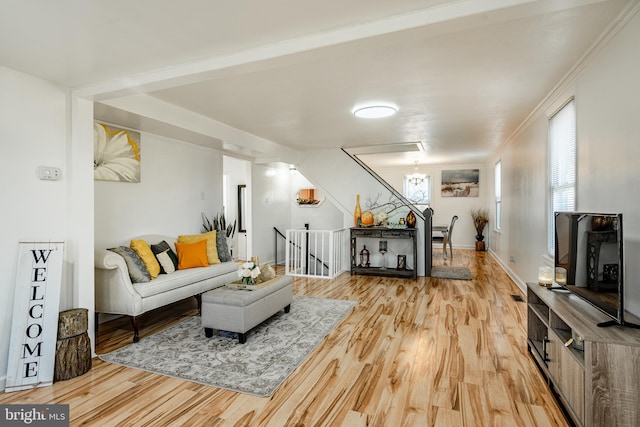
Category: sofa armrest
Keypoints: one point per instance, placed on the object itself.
(114, 292)
(108, 260)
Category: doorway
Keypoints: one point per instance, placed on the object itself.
(237, 203)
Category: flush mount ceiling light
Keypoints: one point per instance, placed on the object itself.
(377, 111)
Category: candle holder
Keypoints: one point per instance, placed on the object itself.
(545, 276)
(382, 248)
(364, 257)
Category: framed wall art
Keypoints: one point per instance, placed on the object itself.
(116, 154)
(460, 183)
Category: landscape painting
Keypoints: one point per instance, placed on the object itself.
(460, 183)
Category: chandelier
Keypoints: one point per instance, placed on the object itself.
(416, 177)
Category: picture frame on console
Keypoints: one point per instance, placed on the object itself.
(402, 262)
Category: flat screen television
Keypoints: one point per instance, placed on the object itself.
(588, 246)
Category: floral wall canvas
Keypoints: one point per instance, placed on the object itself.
(460, 183)
(116, 154)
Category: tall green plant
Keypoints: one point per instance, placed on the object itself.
(218, 223)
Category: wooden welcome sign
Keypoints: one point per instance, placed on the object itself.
(32, 350)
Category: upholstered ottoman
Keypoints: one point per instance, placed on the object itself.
(235, 310)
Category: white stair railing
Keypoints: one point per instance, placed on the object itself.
(315, 253)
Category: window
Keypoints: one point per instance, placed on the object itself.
(418, 194)
(498, 194)
(562, 165)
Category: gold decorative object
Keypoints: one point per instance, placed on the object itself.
(357, 213)
(266, 273)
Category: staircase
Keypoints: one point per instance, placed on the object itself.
(355, 177)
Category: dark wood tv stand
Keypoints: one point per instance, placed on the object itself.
(598, 386)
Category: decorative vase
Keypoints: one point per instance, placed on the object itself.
(357, 213)
(479, 237)
(411, 220)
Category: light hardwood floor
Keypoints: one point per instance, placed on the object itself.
(411, 353)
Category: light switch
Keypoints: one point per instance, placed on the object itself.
(49, 173)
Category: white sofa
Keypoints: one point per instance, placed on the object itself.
(115, 294)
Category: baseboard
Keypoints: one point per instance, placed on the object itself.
(3, 382)
(513, 276)
(105, 317)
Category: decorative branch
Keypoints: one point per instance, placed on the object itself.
(388, 207)
(480, 219)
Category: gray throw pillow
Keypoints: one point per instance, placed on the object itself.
(137, 270)
(221, 245)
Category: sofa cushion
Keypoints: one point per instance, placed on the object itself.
(166, 265)
(223, 248)
(191, 255)
(143, 250)
(137, 270)
(161, 247)
(212, 250)
(182, 278)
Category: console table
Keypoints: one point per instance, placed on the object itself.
(383, 233)
(592, 370)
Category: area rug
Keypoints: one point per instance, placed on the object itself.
(272, 351)
(446, 272)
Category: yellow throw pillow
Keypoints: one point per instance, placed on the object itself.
(212, 249)
(191, 255)
(144, 251)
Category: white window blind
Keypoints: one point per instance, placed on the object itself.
(498, 194)
(562, 165)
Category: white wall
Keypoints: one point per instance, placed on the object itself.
(270, 207)
(178, 182)
(521, 243)
(33, 133)
(324, 216)
(607, 96)
(444, 208)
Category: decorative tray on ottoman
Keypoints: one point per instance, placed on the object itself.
(238, 284)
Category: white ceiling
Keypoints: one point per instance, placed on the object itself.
(464, 74)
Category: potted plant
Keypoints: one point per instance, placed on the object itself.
(219, 223)
(480, 220)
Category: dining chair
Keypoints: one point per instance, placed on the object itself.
(445, 238)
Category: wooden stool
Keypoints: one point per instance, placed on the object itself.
(73, 348)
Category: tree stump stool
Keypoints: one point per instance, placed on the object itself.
(73, 348)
